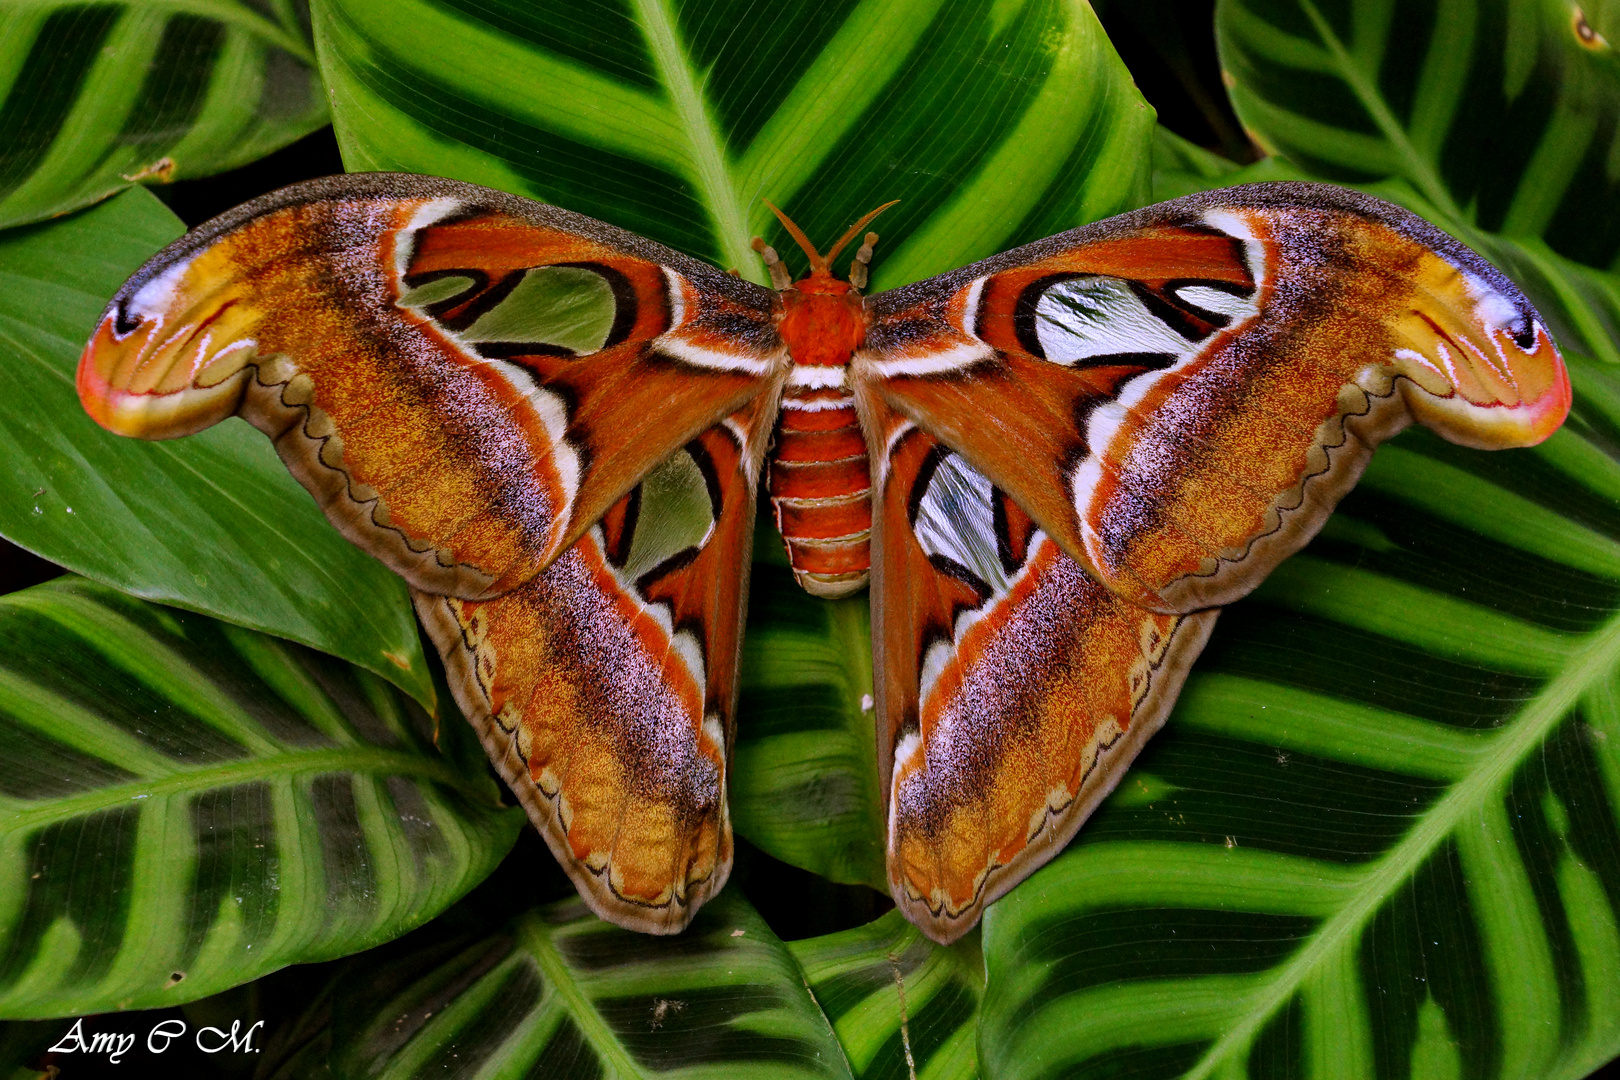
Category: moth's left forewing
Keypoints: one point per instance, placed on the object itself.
(605, 688)
(464, 380)
(1013, 690)
(1181, 395)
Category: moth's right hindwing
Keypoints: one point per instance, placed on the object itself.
(1013, 689)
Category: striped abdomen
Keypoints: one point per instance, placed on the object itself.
(821, 491)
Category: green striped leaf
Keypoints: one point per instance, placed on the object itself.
(95, 96)
(1381, 833)
(186, 805)
(1556, 503)
(556, 991)
(901, 1005)
(994, 123)
(212, 523)
(1503, 114)
(804, 783)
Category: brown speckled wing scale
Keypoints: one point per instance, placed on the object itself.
(1083, 447)
(1181, 395)
(464, 380)
(604, 689)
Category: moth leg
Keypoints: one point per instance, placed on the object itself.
(863, 259)
(780, 278)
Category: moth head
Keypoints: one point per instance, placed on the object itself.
(820, 278)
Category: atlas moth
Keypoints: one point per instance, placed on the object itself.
(1053, 467)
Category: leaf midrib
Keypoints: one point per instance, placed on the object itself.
(362, 760)
(710, 168)
(1419, 170)
(564, 981)
(1597, 656)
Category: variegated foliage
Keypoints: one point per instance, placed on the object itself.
(993, 122)
(555, 991)
(185, 805)
(94, 97)
(1502, 114)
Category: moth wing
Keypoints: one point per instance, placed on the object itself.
(1180, 396)
(604, 688)
(1013, 690)
(465, 380)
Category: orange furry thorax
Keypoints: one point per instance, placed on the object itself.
(823, 323)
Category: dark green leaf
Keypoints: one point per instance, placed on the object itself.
(804, 784)
(994, 123)
(1502, 114)
(213, 522)
(186, 805)
(556, 991)
(96, 96)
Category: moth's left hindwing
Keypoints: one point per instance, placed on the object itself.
(550, 428)
(604, 689)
